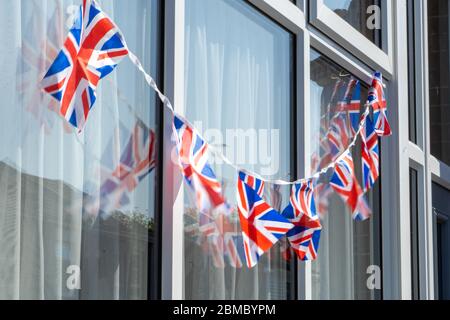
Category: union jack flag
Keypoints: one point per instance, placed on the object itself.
(252, 182)
(233, 243)
(219, 237)
(327, 150)
(338, 135)
(190, 220)
(346, 185)
(210, 239)
(193, 158)
(377, 100)
(136, 161)
(39, 49)
(351, 104)
(325, 155)
(216, 249)
(369, 154)
(305, 235)
(261, 225)
(344, 123)
(285, 249)
(91, 51)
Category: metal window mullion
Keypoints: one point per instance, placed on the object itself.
(172, 282)
(427, 245)
(395, 201)
(304, 282)
(285, 13)
(328, 22)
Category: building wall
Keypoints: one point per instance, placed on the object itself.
(279, 60)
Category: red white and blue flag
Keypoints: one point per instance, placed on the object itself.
(137, 160)
(91, 51)
(345, 184)
(377, 100)
(261, 225)
(338, 135)
(193, 158)
(305, 235)
(369, 154)
(351, 104)
(345, 121)
(233, 243)
(254, 183)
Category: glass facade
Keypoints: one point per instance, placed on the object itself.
(81, 213)
(239, 92)
(347, 247)
(441, 210)
(414, 220)
(411, 72)
(438, 68)
(77, 210)
(356, 13)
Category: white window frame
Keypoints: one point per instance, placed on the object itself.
(287, 15)
(328, 22)
(396, 263)
(429, 168)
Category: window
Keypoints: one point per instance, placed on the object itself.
(411, 71)
(239, 93)
(363, 28)
(441, 208)
(414, 218)
(355, 13)
(438, 41)
(347, 248)
(72, 224)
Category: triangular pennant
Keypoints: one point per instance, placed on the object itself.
(377, 100)
(345, 184)
(369, 154)
(91, 51)
(301, 211)
(193, 160)
(262, 226)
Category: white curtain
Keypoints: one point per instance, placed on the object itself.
(238, 92)
(49, 172)
(346, 247)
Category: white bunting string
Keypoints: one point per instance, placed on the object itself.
(151, 82)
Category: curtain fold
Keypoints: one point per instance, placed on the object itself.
(51, 176)
(237, 92)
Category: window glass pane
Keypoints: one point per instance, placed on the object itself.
(347, 247)
(355, 13)
(441, 208)
(238, 84)
(438, 57)
(78, 205)
(414, 233)
(411, 72)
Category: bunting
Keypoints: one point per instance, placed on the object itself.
(377, 100)
(346, 185)
(262, 226)
(301, 212)
(369, 154)
(193, 161)
(92, 50)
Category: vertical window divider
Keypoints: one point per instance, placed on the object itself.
(303, 148)
(395, 201)
(172, 247)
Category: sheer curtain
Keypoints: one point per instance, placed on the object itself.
(238, 86)
(347, 247)
(53, 213)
